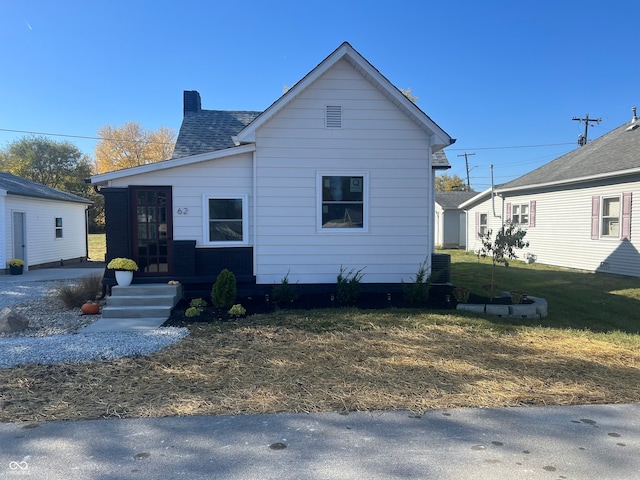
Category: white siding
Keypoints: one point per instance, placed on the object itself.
(42, 246)
(493, 210)
(227, 176)
(562, 232)
(376, 139)
(5, 231)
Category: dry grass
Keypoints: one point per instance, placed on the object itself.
(336, 360)
(87, 288)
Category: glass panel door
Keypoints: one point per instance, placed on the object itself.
(153, 228)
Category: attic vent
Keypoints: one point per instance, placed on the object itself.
(333, 116)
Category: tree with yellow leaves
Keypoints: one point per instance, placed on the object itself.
(131, 145)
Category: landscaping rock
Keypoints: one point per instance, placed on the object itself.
(526, 310)
(498, 310)
(471, 307)
(11, 321)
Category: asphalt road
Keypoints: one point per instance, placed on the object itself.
(579, 442)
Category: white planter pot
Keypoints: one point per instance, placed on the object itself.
(124, 277)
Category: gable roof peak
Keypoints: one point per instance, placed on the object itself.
(345, 51)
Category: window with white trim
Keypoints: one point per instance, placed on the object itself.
(520, 214)
(483, 224)
(610, 217)
(343, 201)
(226, 220)
(58, 227)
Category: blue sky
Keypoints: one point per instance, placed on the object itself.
(493, 74)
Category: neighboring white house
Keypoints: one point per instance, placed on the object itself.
(581, 210)
(40, 225)
(338, 172)
(451, 220)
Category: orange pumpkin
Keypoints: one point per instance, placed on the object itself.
(90, 308)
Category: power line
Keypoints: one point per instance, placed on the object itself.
(85, 137)
(511, 146)
(81, 137)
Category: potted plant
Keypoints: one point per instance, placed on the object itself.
(462, 294)
(16, 266)
(124, 268)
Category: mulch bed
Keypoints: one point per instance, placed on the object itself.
(338, 360)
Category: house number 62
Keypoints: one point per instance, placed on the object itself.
(183, 211)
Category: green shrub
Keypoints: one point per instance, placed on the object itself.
(224, 291)
(198, 303)
(237, 310)
(75, 295)
(196, 306)
(417, 292)
(284, 293)
(348, 287)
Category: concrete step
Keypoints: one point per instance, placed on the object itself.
(133, 301)
(146, 289)
(139, 311)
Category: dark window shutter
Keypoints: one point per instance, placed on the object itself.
(626, 216)
(532, 213)
(595, 215)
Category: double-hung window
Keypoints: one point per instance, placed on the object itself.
(520, 214)
(483, 227)
(226, 220)
(58, 227)
(610, 225)
(343, 201)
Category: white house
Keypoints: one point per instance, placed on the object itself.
(40, 225)
(451, 220)
(579, 211)
(338, 172)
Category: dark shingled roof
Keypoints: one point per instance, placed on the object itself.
(614, 152)
(210, 130)
(449, 200)
(21, 186)
(439, 160)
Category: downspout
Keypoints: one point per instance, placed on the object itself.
(86, 232)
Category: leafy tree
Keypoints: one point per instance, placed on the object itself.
(58, 165)
(450, 183)
(131, 145)
(502, 249)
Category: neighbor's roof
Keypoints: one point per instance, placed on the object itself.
(452, 200)
(21, 186)
(613, 154)
(210, 130)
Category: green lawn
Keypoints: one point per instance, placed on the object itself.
(595, 301)
(97, 247)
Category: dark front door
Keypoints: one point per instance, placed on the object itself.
(153, 230)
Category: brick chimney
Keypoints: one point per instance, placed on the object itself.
(192, 101)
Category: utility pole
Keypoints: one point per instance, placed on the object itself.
(582, 140)
(466, 159)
